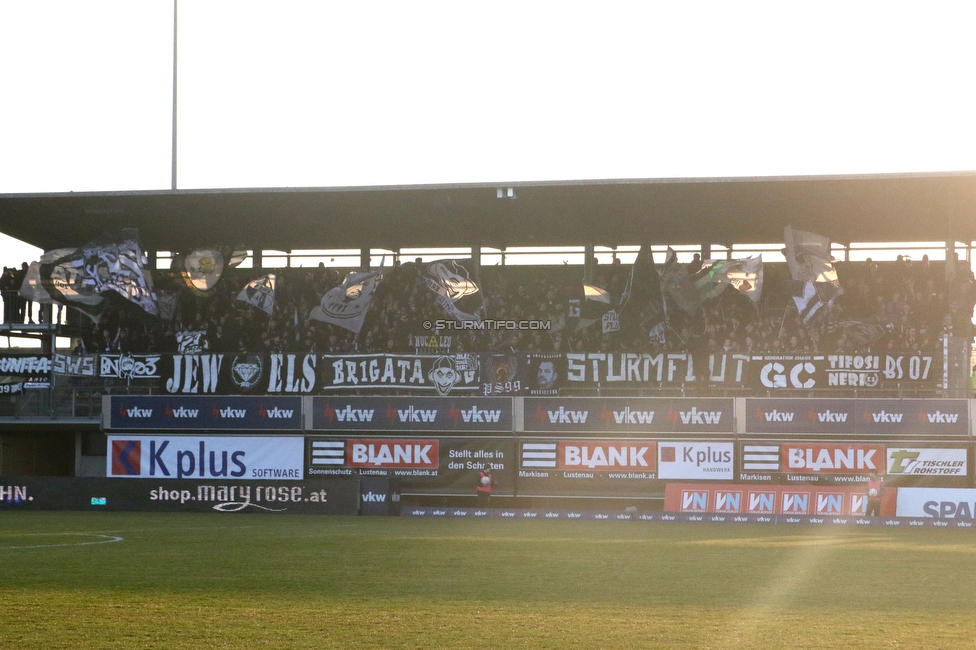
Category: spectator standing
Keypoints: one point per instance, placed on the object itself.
(483, 488)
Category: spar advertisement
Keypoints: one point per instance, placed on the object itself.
(418, 465)
(840, 463)
(449, 414)
(878, 417)
(202, 412)
(213, 457)
(759, 503)
(956, 504)
(628, 415)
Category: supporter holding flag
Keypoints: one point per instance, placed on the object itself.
(346, 305)
(812, 268)
(641, 304)
(456, 291)
(86, 277)
(260, 293)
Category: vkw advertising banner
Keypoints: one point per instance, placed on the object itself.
(188, 412)
(454, 414)
(882, 417)
(628, 415)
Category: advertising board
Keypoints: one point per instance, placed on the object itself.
(941, 503)
(332, 497)
(865, 416)
(585, 467)
(428, 465)
(628, 415)
(203, 412)
(454, 414)
(213, 457)
(803, 501)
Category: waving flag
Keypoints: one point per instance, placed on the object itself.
(457, 293)
(260, 293)
(347, 304)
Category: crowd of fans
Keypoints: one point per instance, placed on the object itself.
(903, 305)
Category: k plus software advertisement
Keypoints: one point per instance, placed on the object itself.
(711, 461)
(587, 467)
(176, 457)
(419, 466)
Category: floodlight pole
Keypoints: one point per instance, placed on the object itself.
(174, 98)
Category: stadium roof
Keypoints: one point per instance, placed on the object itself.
(895, 208)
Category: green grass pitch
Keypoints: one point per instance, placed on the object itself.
(179, 581)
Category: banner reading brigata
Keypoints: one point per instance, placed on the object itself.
(923, 417)
(226, 457)
(441, 375)
(628, 415)
(187, 412)
(455, 414)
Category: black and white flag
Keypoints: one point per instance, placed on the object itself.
(85, 277)
(347, 304)
(456, 291)
(260, 293)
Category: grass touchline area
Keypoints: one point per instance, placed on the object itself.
(262, 581)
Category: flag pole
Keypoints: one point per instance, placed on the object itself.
(173, 161)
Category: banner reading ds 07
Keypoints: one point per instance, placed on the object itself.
(427, 465)
(327, 497)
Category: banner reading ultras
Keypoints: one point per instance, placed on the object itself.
(455, 414)
(177, 457)
(155, 412)
(923, 417)
(628, 415)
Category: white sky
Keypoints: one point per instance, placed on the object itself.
(287, 93)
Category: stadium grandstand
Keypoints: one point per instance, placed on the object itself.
(549, 327)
